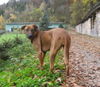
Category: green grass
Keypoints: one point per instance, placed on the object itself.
(10, 36)
(21, 70)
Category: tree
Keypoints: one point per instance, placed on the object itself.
(12, 17)
(77, 12)
(19, 6)
(36, 14)
(79, 9)
(2, 22)
(1, 12)
(60, 9)
(44, 22)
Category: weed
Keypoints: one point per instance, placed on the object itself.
(21, 70)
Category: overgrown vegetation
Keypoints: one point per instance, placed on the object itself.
(79, 9)
(6, 45)
(68, 11)
(22, 67)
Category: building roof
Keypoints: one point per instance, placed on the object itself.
(26, 23)
(22, 23)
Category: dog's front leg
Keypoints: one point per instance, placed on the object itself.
(41, 56)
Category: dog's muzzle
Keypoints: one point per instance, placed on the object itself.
(29, 35)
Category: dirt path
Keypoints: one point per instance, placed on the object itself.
(84, 61)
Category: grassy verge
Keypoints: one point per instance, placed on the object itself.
(21, 69)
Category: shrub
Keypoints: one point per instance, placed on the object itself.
(6, 45)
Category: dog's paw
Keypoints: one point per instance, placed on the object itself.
(41, 68)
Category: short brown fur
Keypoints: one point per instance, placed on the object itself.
(51, 40)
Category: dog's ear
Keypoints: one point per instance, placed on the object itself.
(23, 27)
(35, 27)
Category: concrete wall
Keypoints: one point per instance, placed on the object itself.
(90, 28)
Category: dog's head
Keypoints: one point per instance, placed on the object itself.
(30, 30)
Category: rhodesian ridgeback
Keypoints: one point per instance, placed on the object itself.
(52, 40)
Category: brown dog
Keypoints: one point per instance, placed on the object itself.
(51, 40)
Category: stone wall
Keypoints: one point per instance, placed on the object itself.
(90, 27)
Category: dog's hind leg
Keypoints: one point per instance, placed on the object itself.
(66, 56)
(66, 60)
(55, 46)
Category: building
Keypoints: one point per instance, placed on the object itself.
(11, 26)
(90, 25)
